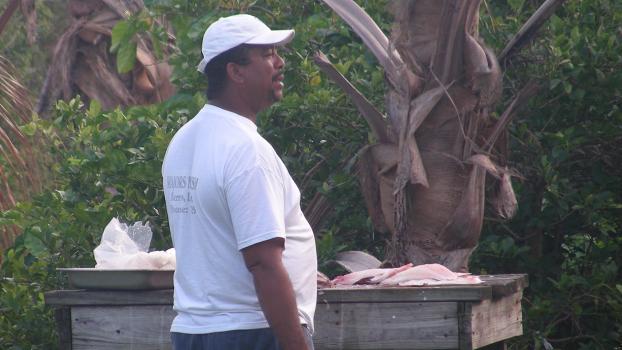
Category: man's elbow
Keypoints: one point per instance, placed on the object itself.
(264, 256)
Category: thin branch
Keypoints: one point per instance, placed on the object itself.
(8, 12)
(559, 320)
(309, 174)
(521, 98)
(529, 29)
(567, 339)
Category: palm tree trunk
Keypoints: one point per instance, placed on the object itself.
(424, 180)
(439, 185)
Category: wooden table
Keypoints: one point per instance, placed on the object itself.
(361, 317)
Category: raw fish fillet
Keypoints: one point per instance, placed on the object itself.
(370, 276)
(428, 272)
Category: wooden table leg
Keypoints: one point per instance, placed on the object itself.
(62, 315)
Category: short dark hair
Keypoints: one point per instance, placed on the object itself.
(216, 69)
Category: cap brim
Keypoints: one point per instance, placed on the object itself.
(274, 37)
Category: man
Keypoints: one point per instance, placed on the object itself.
(246, 260)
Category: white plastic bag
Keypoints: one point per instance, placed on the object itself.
(127, 247)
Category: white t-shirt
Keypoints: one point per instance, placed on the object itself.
(227, 189)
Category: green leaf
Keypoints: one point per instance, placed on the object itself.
(556, 22)
(554, 83)
(315, 80)
(516, 5)
(567, 87)
(94, 108)
(156, 35)
(33, 244)
(121, 33)
(600, 76)
(29, 129)
(343, 67)
(126, 57)
(575, 34)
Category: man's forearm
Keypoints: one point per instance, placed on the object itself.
(276, 296)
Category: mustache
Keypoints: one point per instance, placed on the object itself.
(278, 75)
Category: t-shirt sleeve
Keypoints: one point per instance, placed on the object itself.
(255, 199)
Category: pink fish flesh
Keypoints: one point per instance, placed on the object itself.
(369, 276)
(428, 272)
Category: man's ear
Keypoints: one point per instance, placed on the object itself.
(234, 73)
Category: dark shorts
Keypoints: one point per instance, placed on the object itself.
(248, 339)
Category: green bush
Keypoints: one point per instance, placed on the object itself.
(108, 166)
(565, 144)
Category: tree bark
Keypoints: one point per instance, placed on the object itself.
(424, 181)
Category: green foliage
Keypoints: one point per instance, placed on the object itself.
(125, 35)
(565, 144)
(122, 44)
(108, 165)
(25, 322)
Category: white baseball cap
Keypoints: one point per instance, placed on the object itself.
(229, 32)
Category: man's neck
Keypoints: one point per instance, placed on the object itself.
(236, 108)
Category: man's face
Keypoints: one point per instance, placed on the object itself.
(263, 76)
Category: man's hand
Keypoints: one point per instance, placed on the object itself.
(275, 292)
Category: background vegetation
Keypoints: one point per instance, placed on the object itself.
(566, 146)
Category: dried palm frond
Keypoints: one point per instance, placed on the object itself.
(19, 172)
(82, 62)
(529, 29)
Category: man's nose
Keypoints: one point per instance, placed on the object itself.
(279, 61)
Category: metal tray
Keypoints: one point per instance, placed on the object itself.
(92, 278)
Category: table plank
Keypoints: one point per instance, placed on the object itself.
(109, 297)
(507, 284)
(357, 326)
(375, 294)
(145, 327)
(496, 320)
(494, 286)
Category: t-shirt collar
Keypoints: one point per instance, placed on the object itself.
(215, 110)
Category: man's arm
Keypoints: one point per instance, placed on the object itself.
(275, 292)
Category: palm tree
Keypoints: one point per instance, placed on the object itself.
(424, 180)
(19, 170)
(20, 164)
(82, 63)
